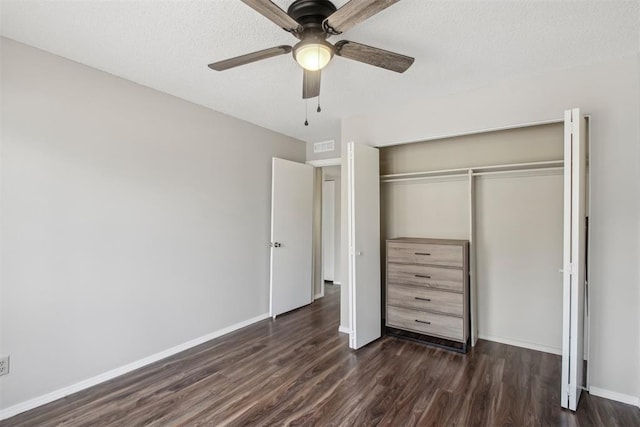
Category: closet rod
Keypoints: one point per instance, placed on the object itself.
(454, 172)
(512, 171)
(422, 178)
(517, 171)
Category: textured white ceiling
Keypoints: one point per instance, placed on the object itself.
(458, 46)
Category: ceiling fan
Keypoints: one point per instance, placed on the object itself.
(312, 22)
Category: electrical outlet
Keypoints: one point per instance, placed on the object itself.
(4, 365)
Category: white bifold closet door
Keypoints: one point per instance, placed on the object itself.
(291, 236)
(574, 258)
(363, 214)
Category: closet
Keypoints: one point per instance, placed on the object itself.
(502, 191)
(519, 195)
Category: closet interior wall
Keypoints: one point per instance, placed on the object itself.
(516, 233)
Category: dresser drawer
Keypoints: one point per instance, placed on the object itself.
(425, 253)
(425, 299)
(426, 323)
(430, 277)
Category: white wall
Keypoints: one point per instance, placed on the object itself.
(131, 221)
(437, 209)
(609, 92)
(519, 223)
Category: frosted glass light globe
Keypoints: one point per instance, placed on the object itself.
(313, 56)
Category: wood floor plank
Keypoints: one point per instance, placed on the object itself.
(443, 409)
(408, 357)
(298, 370)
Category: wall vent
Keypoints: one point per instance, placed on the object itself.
(321, 147)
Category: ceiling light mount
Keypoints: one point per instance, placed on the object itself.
(311, 13)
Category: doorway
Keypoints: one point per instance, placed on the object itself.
(327, 229)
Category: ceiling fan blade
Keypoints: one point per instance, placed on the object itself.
(373, 56)
(354, 12)
(311, 84)
(250, 57)
(272, 12)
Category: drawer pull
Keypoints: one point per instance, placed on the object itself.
(422, 253)
(423, 276)
(423, 299)
(422, 321)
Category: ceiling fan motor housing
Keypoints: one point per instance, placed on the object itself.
(311, 13)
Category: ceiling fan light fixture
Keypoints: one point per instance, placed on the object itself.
(313, 55)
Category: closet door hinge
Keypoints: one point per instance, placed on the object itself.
(573, 127)
(570, 268)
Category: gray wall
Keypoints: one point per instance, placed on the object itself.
(609, 92)
(131, 221)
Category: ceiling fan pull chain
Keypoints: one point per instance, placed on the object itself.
(306, 112)
(318, 109)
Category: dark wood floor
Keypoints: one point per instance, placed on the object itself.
(298, 370)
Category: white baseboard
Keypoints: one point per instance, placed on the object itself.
(523, 344)
(344, 329)
(318, 295)
(614, 395)
(90, 382)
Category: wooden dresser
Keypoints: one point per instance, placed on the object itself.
(428, 290)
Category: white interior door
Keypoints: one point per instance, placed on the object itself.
(363, 199)
(291, 236)
(328, 229)
(574, 263)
